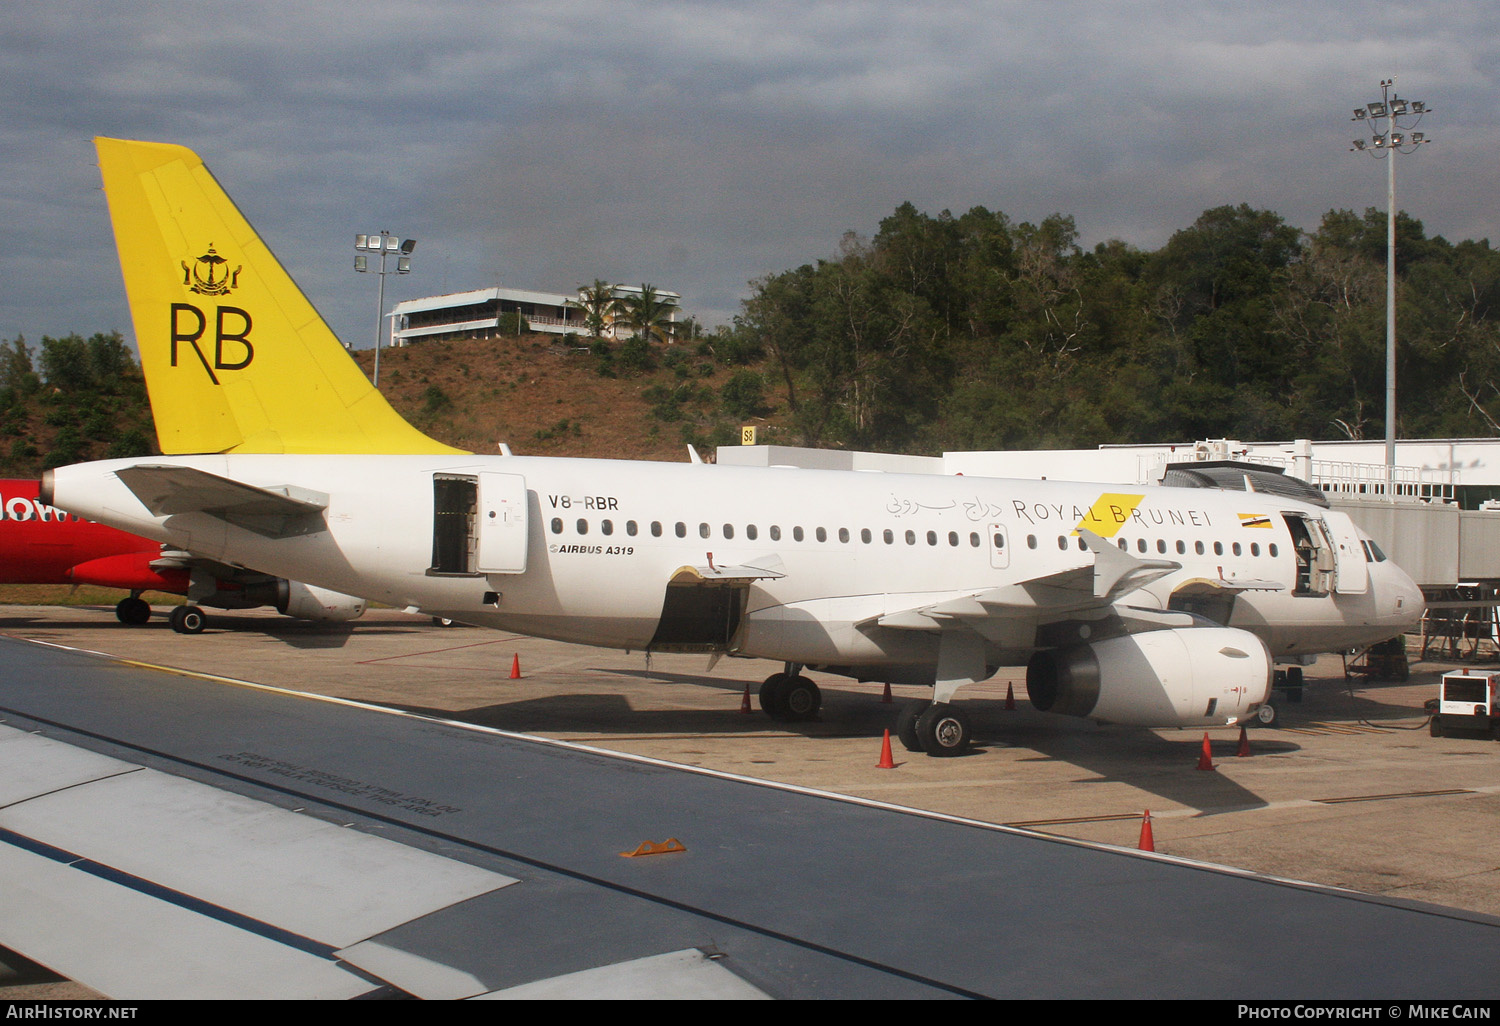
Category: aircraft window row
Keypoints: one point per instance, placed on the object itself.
(932, 538)
(1162, 547)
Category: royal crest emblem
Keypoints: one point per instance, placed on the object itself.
(209, 274)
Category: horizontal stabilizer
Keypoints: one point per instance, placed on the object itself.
(763, 568)
(273, 512)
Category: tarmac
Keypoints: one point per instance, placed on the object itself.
(1349, 791)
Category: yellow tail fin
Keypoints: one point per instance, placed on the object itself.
(235, 357)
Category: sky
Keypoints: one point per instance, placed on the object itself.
(698, 146)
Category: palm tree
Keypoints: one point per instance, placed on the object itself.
(599, 306)
(649, 313)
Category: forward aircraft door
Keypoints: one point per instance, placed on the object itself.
(1353, 576)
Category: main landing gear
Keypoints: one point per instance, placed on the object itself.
(790, 697)
(188, 620)
(935, 728)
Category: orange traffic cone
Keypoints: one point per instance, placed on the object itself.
(1147, 843)
(1244, 749)
(745, 702)
(885, 753)
(885, 699)
(515, 667)
(1010, 696)
(1206, 759)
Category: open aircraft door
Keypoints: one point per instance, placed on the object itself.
(1353, 574)
(502, 525)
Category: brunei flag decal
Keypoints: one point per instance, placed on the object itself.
(1255, 520)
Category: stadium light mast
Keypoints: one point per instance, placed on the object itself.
(385, 244)
(1390, 119)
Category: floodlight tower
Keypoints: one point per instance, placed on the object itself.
(1390, 119)
(385, 244)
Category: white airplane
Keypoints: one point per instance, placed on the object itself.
(1156, 607)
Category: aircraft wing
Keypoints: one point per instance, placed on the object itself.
(1112, 575)
(272, 512)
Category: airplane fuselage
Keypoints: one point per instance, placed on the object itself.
(589, 558)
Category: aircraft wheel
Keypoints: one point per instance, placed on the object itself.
(1435, 726)
(943, 730)
(801, 698)
(134, 611)
(773, 696)
(439, 621)
(1267, 715)
(906, 724)
(188, 620)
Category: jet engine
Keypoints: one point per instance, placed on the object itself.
(1198, 676)
(293, 598)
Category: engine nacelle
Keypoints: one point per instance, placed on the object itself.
(293, 598)
(1198, 676)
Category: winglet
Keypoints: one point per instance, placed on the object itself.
(235, 357)
(1117, 572)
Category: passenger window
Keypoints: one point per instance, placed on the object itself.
(751, 532)
(557, 525)
(1181, 548)
(656, 528)
(974, 539)
(681, 529)
(1271, 548)
(583, 527)
(607, 526)
(704, 531)
(953, 539)
(1062, 542)
(844, 535)
(1140, 545)
(821, 534)
(1236, 548)
(1198, 547)
(865, 535)
(1218, 548)
(888, 536)
(1123, 544)
(1031, 541)
(911, 537)
(796, 534)
(1161, 546)
(729, 530)
(931, 537)
(1255, 548)
(775, 533)
(631, 528)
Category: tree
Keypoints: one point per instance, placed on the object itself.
(599, 306)
(648, 313)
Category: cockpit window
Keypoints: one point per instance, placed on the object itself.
(1372, 551)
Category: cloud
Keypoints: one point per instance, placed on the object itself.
(700, 145)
